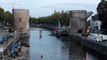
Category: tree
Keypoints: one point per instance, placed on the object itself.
(62, 16)
(8, 17)
(102, 14)
(1, 14)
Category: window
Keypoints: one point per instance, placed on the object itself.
(20, 20)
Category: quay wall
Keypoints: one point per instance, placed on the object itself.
(97, 46)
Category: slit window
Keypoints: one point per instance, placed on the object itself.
(20, 20)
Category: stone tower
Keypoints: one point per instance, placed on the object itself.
(78, 21)
(21, 20)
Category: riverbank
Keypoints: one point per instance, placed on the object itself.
(98, 46)
(14, 48)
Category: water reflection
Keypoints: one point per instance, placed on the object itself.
(90, 57)
(49, 47)
(76, 52)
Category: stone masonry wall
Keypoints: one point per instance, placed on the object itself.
(21, 20)
(78, 21)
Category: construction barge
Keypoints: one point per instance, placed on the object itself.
(12, 48)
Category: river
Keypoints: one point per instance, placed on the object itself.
(49, 47)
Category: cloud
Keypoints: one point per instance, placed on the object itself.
(46, 7)
(81, 1)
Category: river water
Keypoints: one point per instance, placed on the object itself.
(49, 47)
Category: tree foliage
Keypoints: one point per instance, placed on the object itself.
(5, 17)
(8, 17)
(102, 13)
(62, 16)
(1, 14)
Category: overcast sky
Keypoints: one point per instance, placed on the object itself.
(40, 8)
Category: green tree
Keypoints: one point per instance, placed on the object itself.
(8, 17)
(62, 16)
(102, 13)
(1, 14)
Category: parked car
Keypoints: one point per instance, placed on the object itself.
(95, 37)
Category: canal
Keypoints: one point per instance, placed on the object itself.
(49, 47)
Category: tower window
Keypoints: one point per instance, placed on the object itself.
(20, 20)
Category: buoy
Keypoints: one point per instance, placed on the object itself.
(40, 33)
(41, 56)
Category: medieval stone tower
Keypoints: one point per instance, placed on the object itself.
(21, 20)
(78, 21)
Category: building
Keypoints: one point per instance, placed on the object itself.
(95, 26)
(21, 20)
(78, 21)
